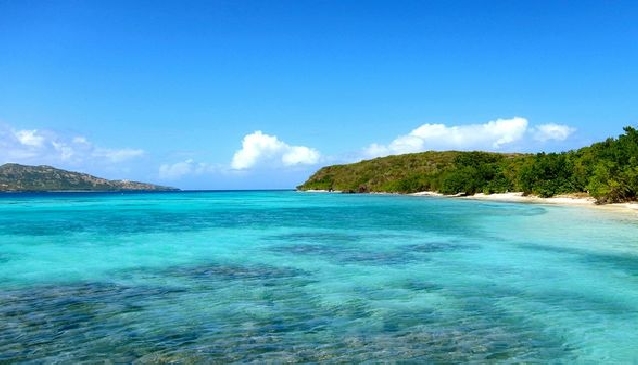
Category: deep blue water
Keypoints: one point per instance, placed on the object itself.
(288, 276)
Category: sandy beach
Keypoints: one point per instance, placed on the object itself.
(560, 200)
(583, 201)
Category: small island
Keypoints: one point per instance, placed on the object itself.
(605, 171)
(23, 178)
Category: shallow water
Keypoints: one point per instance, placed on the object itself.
(287, 276)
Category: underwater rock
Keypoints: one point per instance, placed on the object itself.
(237, 272)
(430, 247)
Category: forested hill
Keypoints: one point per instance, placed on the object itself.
(607, 171)
(14, 177)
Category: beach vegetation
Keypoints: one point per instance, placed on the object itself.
(607, 171)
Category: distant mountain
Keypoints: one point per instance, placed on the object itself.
(15, 177)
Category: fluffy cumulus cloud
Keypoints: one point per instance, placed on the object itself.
(552, 132)
(34, 146)
(258, 147)
(493, 135)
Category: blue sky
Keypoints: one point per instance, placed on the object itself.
(260, 94)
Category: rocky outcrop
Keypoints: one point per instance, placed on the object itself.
(15, 177)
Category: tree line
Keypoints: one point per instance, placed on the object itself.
(607, 171)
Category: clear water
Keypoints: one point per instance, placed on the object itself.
(286, 276)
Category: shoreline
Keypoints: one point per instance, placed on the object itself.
(564, 200)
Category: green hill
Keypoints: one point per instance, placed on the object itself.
(14, 177)
(607, 171)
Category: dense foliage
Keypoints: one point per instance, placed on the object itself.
(608, 171)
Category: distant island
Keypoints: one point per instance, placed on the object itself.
(22, 178)
(606, 171)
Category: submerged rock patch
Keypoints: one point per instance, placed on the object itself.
(370, 255)
(237, 272)
(434, 246)
(351, 254)
(246, 323)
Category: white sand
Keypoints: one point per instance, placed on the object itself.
(561, 199)
(427, 193)
(519, 198)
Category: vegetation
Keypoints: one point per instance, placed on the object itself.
(607, 171)
(14, 177)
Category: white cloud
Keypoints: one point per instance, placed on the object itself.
(29, 137)
(300, 155)
(117, 155)
(187, 167)
(35, 146)
(176, 170)
(80, 141)
(551, 131)
(65, 152)
(260, 147)
(488, 136)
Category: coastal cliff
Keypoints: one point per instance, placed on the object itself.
(15, 177)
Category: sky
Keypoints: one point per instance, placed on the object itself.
(260, 94)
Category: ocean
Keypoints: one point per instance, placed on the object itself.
(285, 276)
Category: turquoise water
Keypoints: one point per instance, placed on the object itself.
(287, 276)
